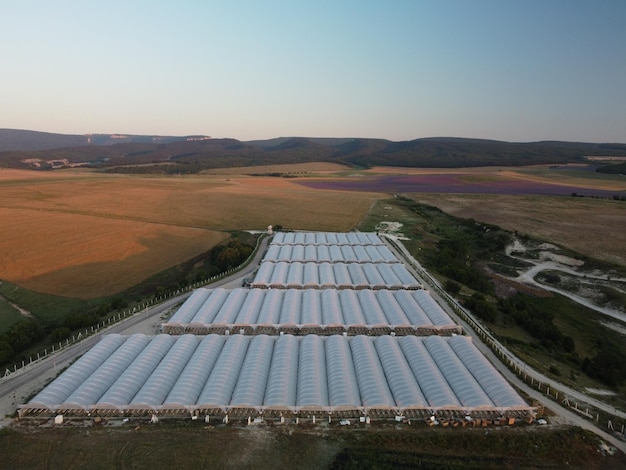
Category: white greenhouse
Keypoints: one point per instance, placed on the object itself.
(305, 311)
(280, 376)
(325, 275)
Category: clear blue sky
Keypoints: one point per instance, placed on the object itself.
(516, 70)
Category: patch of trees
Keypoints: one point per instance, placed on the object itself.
(534, 316)
(19, 337)
(608, 365)
(481, 307)
(230, 255)
(614, 169)
(459, 253)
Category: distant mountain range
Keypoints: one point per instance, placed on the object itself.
(190, 154)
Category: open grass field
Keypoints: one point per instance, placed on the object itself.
(589, 226)
(530, 200)
(84, 234)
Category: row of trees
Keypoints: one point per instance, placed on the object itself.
(28, 333)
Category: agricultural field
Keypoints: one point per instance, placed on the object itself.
(179, 445)
(536, 201)
(85, 235)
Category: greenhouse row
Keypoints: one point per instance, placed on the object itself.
(326, 238)
(304, 311)
(286, 374)
(297, 275)
(331, 254)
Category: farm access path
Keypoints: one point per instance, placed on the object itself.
(20, 386)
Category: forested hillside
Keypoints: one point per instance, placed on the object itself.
(171, 155)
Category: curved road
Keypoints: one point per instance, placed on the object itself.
(28, 379)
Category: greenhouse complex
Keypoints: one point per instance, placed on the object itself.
(368, 345)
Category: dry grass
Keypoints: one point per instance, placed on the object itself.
(592, 227)
(536, 173)
(83, 234)
(296, 168)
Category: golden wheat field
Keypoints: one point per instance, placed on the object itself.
(84, 234)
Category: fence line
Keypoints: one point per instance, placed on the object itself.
(139, 308)
(516, 365)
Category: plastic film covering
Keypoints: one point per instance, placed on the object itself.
(154, 391)
(279, 238)
(311, 276)
(430, 379)
(279, 274)
(286, 253)
(392, 310)
(263, 275)
(348, 254)
(195, 374)
(358, 277)
(351, 308)
(498, 389)
(361, 254)
(314, 373)
(412, 309)
(381, 254)
(211, 306)
(273, 253)
(191, 306)
(331, 238)
(270, 310)
(373, 385)
(311, 308)
(250, 388)
(90, 391)
(465, 387)
(295, 276)
(343, 389)
(291, 307)
(251, 307)
(231, 307)
(72, 378)
(335, 254)
(132, 379)
(312, 391)
(431, 308)
(403, 274)
(283, 375)
(331, 308)
(297, 254)
(323, 254)
(311, 253)
(373, 275)
(219, 387)
(326, 275)
(372, 312)
(405, 389)
(389, 276)
(342, 275)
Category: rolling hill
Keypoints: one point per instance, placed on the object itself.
(191, 154)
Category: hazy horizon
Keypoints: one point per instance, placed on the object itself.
(510, 71)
